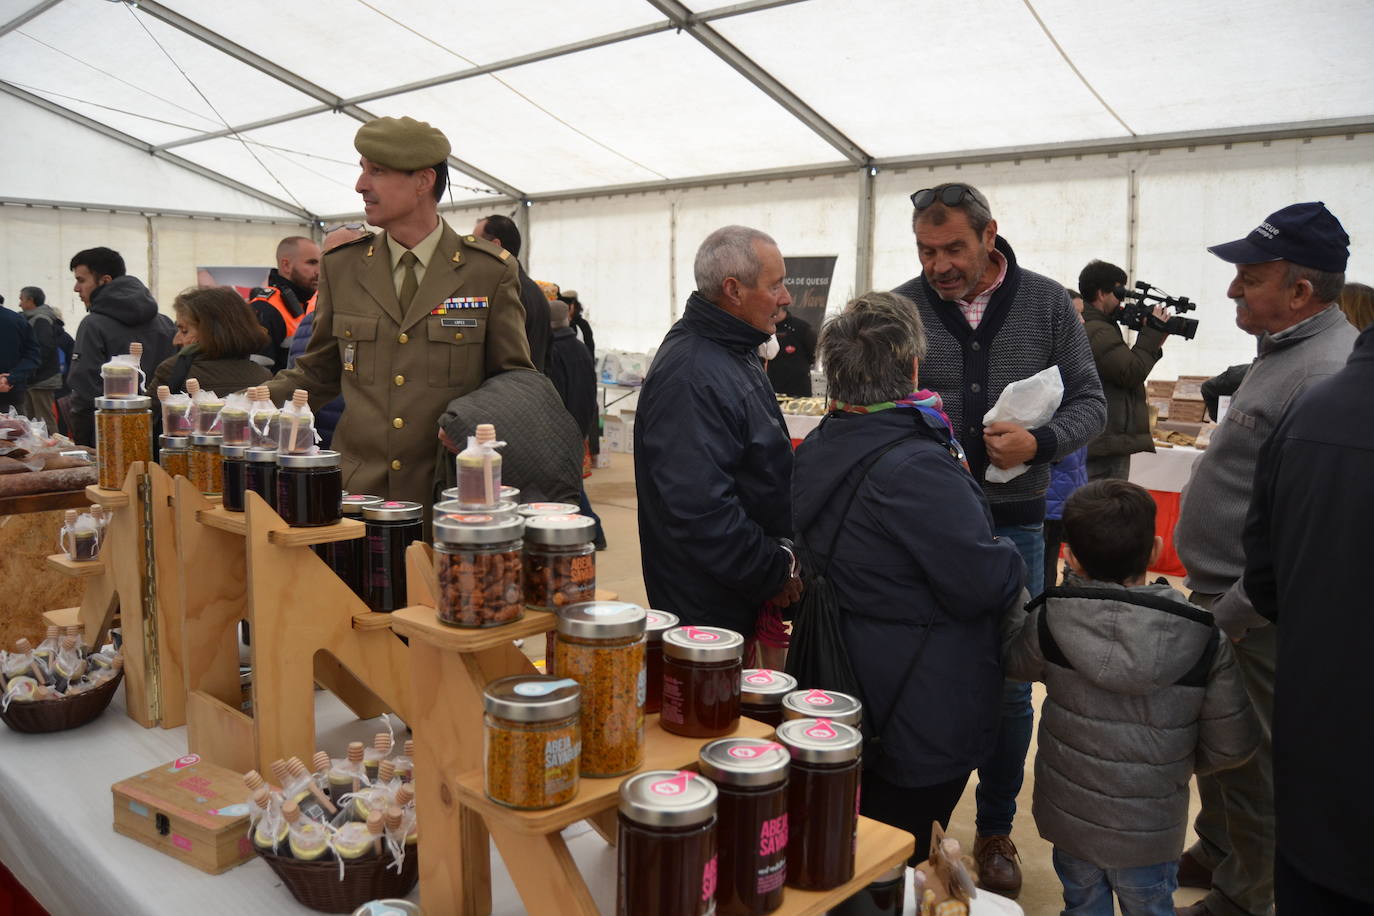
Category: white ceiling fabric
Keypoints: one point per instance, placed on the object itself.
(896, 78)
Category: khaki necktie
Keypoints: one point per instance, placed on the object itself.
(409, 282)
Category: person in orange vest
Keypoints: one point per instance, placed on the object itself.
(288, 297)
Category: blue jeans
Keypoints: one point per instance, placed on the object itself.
(1144, 891)
(999, 780)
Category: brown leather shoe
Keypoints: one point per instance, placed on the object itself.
(1193, 909)
(996, 859)
(1192, 873)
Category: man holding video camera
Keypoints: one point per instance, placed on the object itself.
(1122, 368)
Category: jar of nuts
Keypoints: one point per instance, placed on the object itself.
(533, 740)
(477, 559)
(601, 647)
(560, 561)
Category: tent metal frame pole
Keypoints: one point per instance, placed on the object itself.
(684, 19)
(33, 12)
(137, 144)
(297, 82)
(863, 271)
(152, 212)
(534, 57)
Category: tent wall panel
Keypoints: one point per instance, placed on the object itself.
(182, 245)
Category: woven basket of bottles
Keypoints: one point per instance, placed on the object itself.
(318, 885)
(341, 832)
(64, 712)
(59, 685)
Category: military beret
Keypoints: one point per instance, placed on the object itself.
(402, 143)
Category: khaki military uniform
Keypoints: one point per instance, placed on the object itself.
(397, 372)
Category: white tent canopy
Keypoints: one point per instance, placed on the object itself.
(812, 109)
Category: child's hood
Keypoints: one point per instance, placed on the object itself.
(1146, 640)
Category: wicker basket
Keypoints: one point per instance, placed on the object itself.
(317, 884)
(61, 713)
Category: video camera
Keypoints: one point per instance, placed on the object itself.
(1137, 310)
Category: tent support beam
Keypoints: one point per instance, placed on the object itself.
(683, 18)
(35, 204)
(299, 83)
(33, 12)
(863, 273)
(137, 144)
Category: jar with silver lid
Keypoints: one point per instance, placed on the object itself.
(823, 704)
(761, 694)
(260, 474)
(533, 740)
(123, 435)
(601, 646)
(667, 845)
(560, 561)
(508, 494)
(309, 488)
(478, 564)
(392, 526)
(207, 464)
(454, 507)
(751, 822)
(822, 802)
(530, 510)
(235, 466)
(348, 558)
(174, 454)
(701, 681)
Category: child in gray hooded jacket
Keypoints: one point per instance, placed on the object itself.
(1142, 691)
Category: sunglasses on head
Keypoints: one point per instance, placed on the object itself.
(950, 195)
(356, 227)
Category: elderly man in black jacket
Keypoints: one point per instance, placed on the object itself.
(713, 461)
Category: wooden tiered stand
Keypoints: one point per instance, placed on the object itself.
(306, 626)
(450, 667)
(138, 577)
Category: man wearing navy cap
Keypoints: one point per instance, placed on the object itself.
(1289, 274)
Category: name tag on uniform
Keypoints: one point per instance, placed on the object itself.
(458, 322)
(457, 303)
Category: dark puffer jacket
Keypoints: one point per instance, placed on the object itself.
(1123, 371)
(1142, 691)
(122, 311)
(1065, 477)
(713, 472)
(916, 569)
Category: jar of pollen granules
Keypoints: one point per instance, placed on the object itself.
(207, 464)
(123, 435)
(533, 740)
(477, 561)
(601, 646)
(174, 454)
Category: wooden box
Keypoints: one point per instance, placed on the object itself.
(1188, 388)
(1160, 389)
(189, 809)
(1187, 411)
(1161, 405)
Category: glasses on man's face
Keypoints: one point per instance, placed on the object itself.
(950, 195)
(356, 227)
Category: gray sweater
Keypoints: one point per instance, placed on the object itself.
(1212, 514)
(1132, 709)
(1029, 326)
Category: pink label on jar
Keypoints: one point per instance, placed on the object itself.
(675, 786)
(674, 699)
(819, 698)
(708, 880)
(759, 677)
(771, 878)
(750, 751)
(773, 835)
(700, 635)
(821, 731)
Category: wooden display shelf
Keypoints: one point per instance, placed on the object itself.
(237, 523)
(662, 751)
(63, 617)
(419, 621)
(880, 848)
(110, 499)
(77, 569)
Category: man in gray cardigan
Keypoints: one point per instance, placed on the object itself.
(1289, 274)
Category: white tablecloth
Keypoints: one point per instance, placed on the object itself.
(798, 425)
(1166, 470)
(56, 832)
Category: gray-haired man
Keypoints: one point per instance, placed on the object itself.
(713, 461)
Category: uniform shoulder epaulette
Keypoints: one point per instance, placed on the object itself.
(352, 243)
(491, 248)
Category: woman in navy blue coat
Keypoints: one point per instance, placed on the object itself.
(921, 580)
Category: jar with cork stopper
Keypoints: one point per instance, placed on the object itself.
(123, 420)
(207, 408)
(122, 376)
(177, 412)
(296, 430)
(479, 468)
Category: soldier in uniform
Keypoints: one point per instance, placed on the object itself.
(405, 320)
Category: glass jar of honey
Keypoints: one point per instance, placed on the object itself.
(667, 845)
(822, 802)
(824, 704)
(761, 694)
(701, 681)
(751, 822)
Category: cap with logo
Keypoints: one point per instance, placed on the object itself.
(1306, 234)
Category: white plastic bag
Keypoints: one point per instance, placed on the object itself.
(1029, 403)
